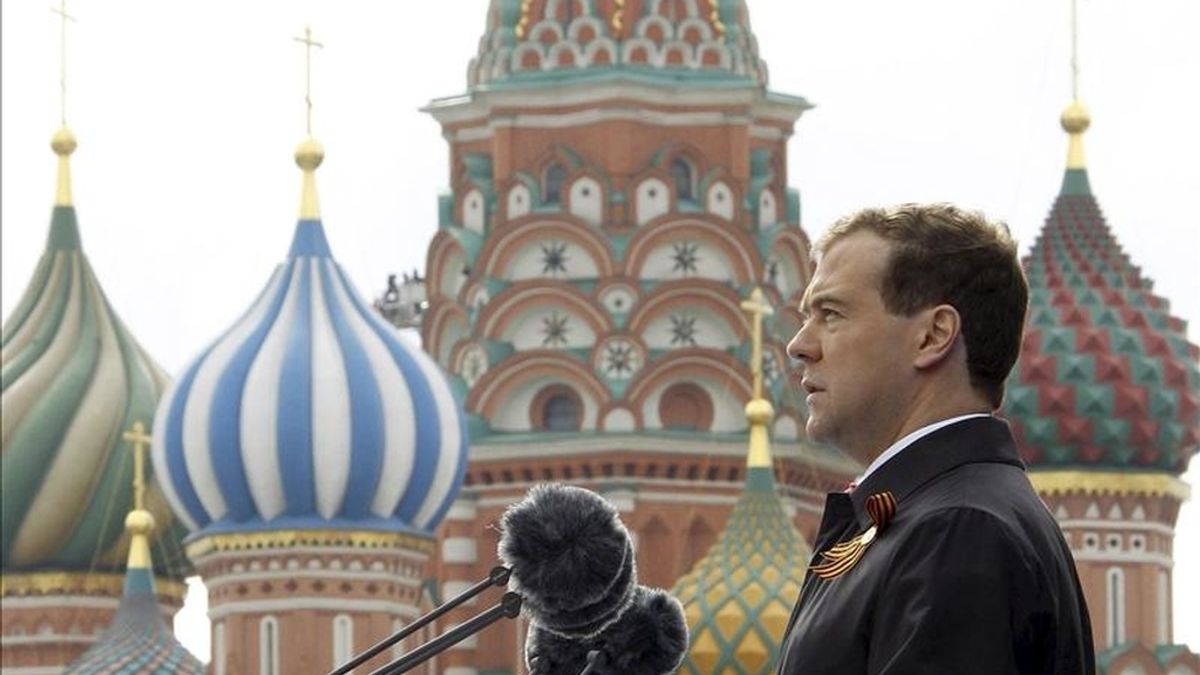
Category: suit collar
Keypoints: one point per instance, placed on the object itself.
(979, 439)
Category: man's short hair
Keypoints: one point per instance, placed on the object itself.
(944, 255)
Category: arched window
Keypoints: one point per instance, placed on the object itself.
(557, 408)
(681, 176)
(685, 407)
(343, 639)
(560, 414)
(552, 185)
(1115, 587)
(268, 646)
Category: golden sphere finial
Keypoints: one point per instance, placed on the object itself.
(139, 521)
(759, 411)
(63, 142)
(1075, 118)
(309, 154)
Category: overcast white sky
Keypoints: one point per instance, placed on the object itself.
(187, 114)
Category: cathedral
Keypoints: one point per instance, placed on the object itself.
(616, 271)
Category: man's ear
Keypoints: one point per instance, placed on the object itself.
(940, 329)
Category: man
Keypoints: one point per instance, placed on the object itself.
(941, 558)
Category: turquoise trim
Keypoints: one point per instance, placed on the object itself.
(479, 172)
(495, 286)
(64, 230)
(471, 241)
(445, 209)
(760, 479)
(138, 581)
(620, 73)
(1075, 182)
(793, 206)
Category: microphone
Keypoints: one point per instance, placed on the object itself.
(570, 557)
(569, 566)
(649, 638)
(572, 561)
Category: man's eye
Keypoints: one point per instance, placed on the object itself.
(829, 314)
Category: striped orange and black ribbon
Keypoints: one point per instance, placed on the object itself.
(843, 556)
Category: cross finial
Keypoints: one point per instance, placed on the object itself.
(61, 10)
(308, 43)
(758, 411)
(138, 439)
(1074, 51)
(757, 307)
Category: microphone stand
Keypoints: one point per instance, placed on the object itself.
(508, 607)
(497, 577)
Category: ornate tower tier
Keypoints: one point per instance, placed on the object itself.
(307, 601)
(618, 185)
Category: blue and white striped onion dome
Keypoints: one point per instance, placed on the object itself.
(310, 413)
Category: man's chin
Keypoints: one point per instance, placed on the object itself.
(816, 432)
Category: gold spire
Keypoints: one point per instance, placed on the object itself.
(139, 522)
(1075, 119)
(63, 142)
(309, 152)
(759, 411)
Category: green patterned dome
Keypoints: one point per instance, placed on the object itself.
(1106, 379)
(739, 596)
(138, 641)
(73, 380)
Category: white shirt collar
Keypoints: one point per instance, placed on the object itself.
(895, 448)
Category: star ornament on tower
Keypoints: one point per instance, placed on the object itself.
(619, 359)
(685, 257)
(554, 330)
(683, 330)
(554, 258)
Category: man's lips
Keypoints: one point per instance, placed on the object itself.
(811, 387)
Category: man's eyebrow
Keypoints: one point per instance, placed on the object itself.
(818, 299)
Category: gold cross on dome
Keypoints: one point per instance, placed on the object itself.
(757, 307)
(139, 440)
(61, 11)
(308, 43)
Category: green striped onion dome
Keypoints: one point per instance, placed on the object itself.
(73, 380)
(738, 597)
(1106, 379)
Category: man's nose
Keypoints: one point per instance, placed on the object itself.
(802, 347)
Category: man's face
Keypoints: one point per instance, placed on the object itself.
(853, 350)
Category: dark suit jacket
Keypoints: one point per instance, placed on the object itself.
(971, 576)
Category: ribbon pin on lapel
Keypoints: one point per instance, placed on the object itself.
(842, 557)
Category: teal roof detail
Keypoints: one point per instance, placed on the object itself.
(1106, 377)
(138, 641)
(738, 597)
